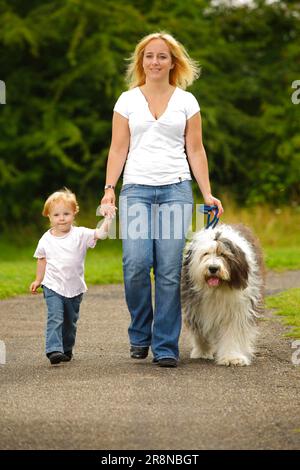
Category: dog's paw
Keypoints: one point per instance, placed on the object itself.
(233, 361)
(198, 354)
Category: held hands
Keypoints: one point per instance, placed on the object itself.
(107, 204)
(109, 213)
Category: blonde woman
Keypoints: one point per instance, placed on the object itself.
(156, 134)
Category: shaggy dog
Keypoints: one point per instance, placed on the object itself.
(222, 293)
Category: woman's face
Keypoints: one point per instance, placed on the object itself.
(157, 60)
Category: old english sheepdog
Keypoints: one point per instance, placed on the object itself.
(222, 293)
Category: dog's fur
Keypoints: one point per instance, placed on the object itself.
(222, 293)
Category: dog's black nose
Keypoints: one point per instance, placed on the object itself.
(213, 269)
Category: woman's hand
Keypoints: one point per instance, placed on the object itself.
(213, 201)
(107, 204)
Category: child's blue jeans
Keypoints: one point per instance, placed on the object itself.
(63, 313)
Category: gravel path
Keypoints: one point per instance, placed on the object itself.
(105, 400)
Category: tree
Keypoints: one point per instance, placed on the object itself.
(63, 65)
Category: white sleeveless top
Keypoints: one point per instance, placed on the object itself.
(157, 146)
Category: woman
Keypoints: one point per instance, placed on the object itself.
(156, 128)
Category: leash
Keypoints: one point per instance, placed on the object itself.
(206, 209)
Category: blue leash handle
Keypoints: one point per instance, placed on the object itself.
(206, 209)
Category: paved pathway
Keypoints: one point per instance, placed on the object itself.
(105, 400)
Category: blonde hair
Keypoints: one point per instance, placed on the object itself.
(185, 69)
(63, 195)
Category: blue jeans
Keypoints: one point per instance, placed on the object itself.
(154, 222)
(63, 313)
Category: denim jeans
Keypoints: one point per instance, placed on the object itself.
(154, 222)
(63, 313)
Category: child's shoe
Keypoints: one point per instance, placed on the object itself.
(139, 352)
(56, 357)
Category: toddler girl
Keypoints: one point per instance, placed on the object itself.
(60, 270)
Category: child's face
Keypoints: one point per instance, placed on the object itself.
(61, 216)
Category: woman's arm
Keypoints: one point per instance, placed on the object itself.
(40, 273)
(198, 161)
(116, 157)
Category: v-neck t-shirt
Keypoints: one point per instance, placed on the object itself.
(157, 146)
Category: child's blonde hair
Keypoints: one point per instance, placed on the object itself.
(63, 195)
(185, 69)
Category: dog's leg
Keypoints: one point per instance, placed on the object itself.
(235, 347)
(201, 348)
(232, 358)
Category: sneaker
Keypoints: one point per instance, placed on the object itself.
(167, 362)
(56, 357)
(139, 352)
(67, 356)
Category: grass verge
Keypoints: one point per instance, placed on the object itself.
(17, 267)
(274, 227)
(287, 306)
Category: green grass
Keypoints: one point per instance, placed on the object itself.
(17, 266)
(274, 227)
(104, 263)
(15, 277)
(287, 305)
(282, 258)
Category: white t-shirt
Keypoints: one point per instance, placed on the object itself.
(65, 260)
(157, 146)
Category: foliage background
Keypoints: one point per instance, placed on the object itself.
(63, 65)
